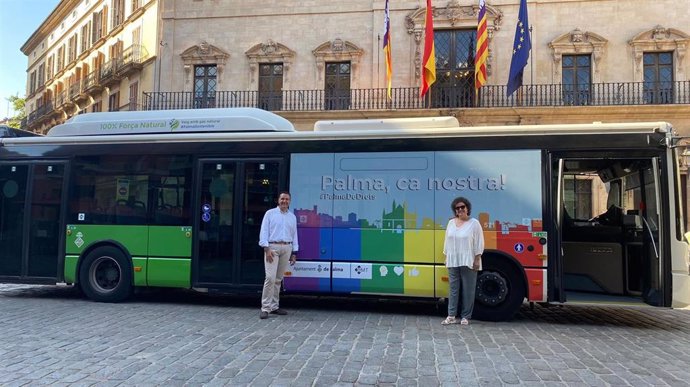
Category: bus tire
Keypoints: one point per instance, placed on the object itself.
(500, 290)
(105, 275)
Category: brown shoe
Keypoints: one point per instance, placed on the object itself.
(279, 312)
(263, 315)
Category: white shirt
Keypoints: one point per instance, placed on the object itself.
(463, 243)
(278, 226)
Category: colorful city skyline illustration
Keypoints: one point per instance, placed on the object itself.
(384, 209)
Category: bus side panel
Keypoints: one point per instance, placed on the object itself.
(527, 247)
(536, 285)
(441, 281)
(169, 272)
(378, 246)
(388, 213)
(169, 256)
(70, 271)
(79, 237)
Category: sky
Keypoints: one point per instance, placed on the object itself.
(18, 20)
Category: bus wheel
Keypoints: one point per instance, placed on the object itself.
(105, 275)
(500, 290)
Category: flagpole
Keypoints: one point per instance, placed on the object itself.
(378, 63)
(522, 48)
(428, 70)
(531, 62)
(531, 68)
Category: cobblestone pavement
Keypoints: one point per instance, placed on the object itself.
(50, 335)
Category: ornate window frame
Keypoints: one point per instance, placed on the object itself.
(269, 52)
(337, 50)
(452, 16)
(660, 39)
(577, 42)
(203, 54)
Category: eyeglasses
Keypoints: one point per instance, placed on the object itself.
(460, 207)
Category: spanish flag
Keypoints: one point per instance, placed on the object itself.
(429, 58)
(387, 49)
(482, 53)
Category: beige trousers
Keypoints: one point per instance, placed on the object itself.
(270, 297)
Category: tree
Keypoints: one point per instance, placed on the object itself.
(18, 106)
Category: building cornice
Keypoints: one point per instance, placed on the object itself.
(61, 11)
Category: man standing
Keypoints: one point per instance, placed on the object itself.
(278, 237)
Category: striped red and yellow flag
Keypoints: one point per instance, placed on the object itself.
(429, 57)
(387, 49)
(482, 53)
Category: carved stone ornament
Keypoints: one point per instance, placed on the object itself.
(576, 36)
(269, 47)
(660, 39)
(269, 52)
(337, 50)
(203, 54)
(661, 33)
(577, 42)
(452, 16)
(204, 48)
(337, 45)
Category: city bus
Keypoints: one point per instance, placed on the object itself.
(571, 213)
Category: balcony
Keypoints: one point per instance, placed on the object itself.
(108, 74)
(62, 100)
(38, 115)
(546, 95)
(75, 90)
(92, 82)
(130, 61)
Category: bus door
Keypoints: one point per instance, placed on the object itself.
(232, 197)
(31, 212)
(610, 227)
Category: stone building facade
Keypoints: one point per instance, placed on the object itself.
(604, 60)
(606, 47)
(90, 56)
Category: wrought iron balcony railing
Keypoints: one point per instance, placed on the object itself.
(596, 94)
(92, 80)
(124, 63)
(75, 88)
(39, 112)
(131, 56)
(61, 98)
(107, 73)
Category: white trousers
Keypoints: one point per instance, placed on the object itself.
(270, 297)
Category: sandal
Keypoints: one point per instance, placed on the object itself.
(449, 320)
(464, 321)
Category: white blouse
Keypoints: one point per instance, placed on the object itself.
(463, 243)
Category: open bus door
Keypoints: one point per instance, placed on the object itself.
(609, 225)
(31, 215)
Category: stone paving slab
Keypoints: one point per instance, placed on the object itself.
(50, 335)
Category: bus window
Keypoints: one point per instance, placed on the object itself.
(172, 200)
(171, 185)
(120, 190)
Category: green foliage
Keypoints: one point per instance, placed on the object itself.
(18, 104)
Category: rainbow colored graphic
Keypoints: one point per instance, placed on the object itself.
(375, 222)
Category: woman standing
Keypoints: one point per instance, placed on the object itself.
(463, 248)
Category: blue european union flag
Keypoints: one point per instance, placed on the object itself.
(521, 48)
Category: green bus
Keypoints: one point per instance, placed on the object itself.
(571, 213)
